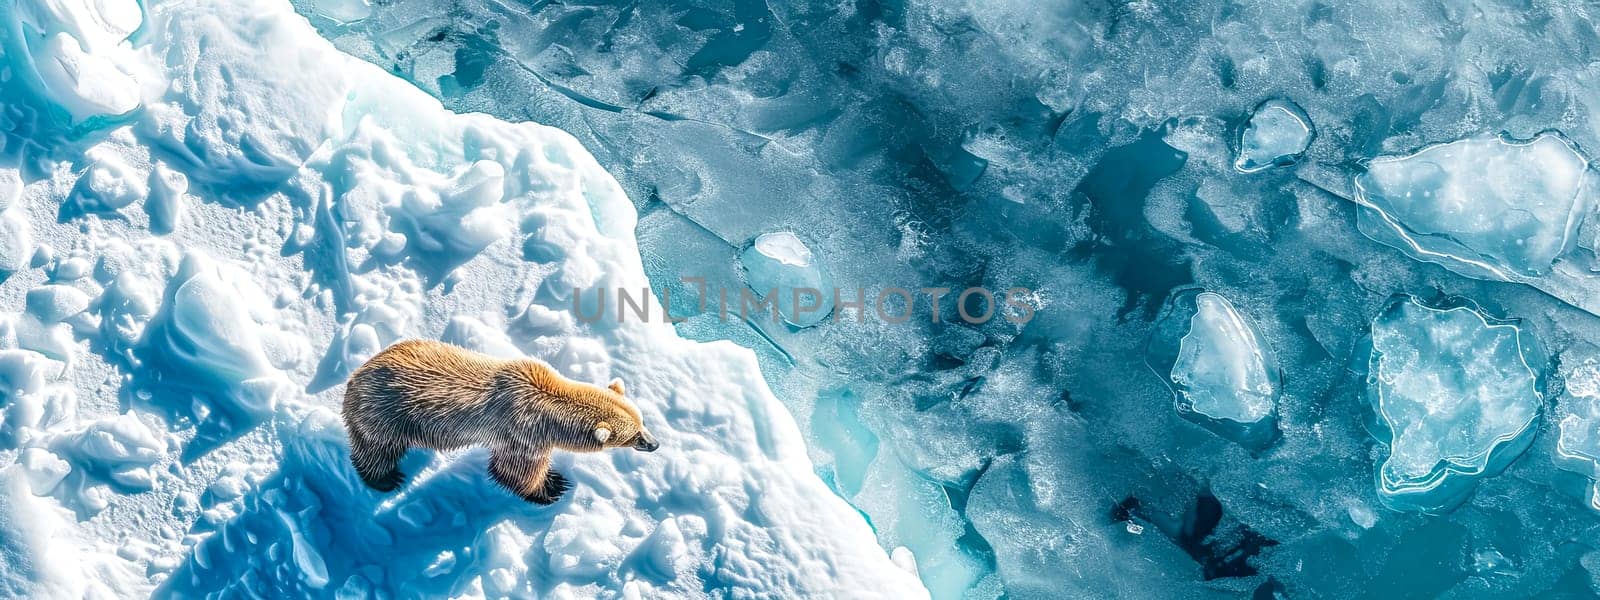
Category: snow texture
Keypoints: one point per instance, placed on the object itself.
(209, 216)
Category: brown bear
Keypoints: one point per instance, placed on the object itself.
(421, 393)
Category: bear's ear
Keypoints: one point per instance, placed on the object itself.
(616, 386)
(602, 432)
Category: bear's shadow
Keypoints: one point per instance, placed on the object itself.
(313, 527)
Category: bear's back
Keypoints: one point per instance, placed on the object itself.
(430, 392)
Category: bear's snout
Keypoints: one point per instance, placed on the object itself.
(645, 443)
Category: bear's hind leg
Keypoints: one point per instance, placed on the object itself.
(377, 464)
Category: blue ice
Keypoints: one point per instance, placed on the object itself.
(1456, 397)
(1277, 135)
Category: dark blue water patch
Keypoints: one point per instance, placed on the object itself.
(1427, 560)
(736, 38)
(1222, 550)
(1137, 257)
(1222, 546)
(472, 59)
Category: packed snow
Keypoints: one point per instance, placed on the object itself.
(209, 216)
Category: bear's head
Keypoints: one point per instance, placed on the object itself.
(586, 417)
(623, 427)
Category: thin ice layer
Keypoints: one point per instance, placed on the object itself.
(1278, 134)
(1224, 370)
(1455, 396)
(1487, 207)
(782, 269)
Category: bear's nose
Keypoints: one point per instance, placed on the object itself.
(646, 443)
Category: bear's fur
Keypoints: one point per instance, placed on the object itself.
(420, 393)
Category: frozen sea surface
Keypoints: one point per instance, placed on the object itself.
(1090, 152)
(159, 154)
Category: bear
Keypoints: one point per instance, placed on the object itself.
(423, 393)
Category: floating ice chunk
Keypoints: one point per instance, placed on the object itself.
(1223, 374)
(1278, 134)
(1224, 370)
(779, 263)
(1484, 207)
(1455, 396)
(1578, 445)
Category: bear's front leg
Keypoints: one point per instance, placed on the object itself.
(527, 473)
